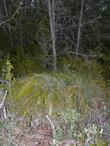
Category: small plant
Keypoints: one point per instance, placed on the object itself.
(69, 118)
(102, 143)
(93, 132)
(6, 131)
(59, 133)
(7, 80)
(7, 74)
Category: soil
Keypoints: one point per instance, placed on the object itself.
(37, 135)
(41, 135)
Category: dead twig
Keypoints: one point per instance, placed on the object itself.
(2, 107)
(54, 142)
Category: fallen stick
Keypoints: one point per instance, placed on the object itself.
(2, 103)
(2, 107)
(53, 130)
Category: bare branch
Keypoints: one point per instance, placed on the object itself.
(3, 100)
(53, 130)
(13, 16)
(3, 114)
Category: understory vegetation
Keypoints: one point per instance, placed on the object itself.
(76, 99)
(54, 72)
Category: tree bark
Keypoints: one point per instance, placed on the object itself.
(51, 6)
(79, 28)
(21, 37)
(9, 28)
(5, 8)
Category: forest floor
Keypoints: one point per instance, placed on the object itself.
(77, 114)
(40, 132)
(39, 135)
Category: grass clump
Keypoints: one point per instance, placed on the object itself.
(55, 91)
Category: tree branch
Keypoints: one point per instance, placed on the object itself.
(12, 17)
(3, 100)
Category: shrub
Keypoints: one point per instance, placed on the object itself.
(26, 65)
(82, 67)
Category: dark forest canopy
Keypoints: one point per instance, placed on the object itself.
(48, 30)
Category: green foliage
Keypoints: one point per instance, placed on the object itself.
(59, 133)
(26, 65)
(2, 61)
(93, 129)
(92, 132)
(6, 131)
(55, 91)
(68, 121)
(70, 116)
(7, 71)
(106, 66)
(38, 91)
(61, 93)
(7, 75)
(102, 143)
(82, 67)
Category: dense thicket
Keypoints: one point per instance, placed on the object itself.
(48, 30)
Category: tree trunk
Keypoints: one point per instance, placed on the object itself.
(21, 37)
(11, 36)
(5, 8)
(51, 6)
(9, 28)
(79, 28)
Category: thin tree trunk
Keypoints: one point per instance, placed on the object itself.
(9, 28)
(79, 28)
(52, 28)
(21, 37)
(11, 37)
(5, 8)
(25, 10)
